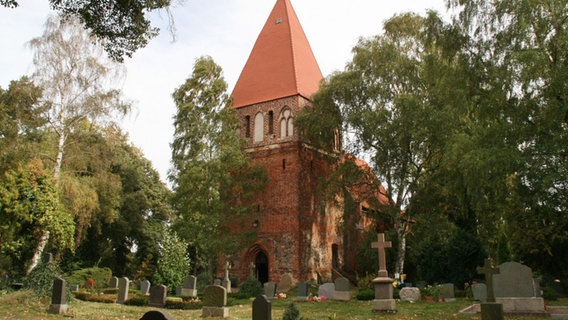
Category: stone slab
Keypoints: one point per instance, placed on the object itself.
(384, 305)
(342, 295)
(218, 312)
(491, 311)
(410, 294)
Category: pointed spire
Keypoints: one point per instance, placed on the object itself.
(281, 63)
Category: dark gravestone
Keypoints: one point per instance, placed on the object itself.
(342, 287)
(303, 290)
(447, 292)
(158, 296)
(47, 258)
(58, 298)
(261, 308)
(157, 315)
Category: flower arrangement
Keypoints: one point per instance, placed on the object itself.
(317, 298)
(90, 283)
(281, 295)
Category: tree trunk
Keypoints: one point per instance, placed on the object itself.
(38, 251)
(401, 252)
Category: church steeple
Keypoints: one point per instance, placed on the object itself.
(281, 63)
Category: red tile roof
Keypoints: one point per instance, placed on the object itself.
(281, 63)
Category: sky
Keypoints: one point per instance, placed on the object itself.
(223, 29)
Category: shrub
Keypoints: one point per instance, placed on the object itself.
(292, 313)
(173, 262)
(137, 300)
(366, 294)
(177, 303)
(111, 291)
(102, 298)
(40, 280)
(238, 295)
(100, 277)
(251, 287)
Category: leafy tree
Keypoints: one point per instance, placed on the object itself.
(389, 105)
(30, 206)
(209, 163)
(21, 123)
(122, 27)
(522, 45)
(173, 263)
(75, 82)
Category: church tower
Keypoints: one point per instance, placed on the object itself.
(296, 226)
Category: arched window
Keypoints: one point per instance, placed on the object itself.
(286, 124)
(270, 122)
(258, 127)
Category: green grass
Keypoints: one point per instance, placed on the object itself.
(20, 305)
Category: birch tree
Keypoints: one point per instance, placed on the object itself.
(77, 82)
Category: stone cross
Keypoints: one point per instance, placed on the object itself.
(227, 267)
(488, 270)
(381, 244)
(251, 269)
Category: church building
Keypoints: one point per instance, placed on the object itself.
(299, 231)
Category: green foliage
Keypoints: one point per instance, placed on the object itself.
(292, 313)
(29, 208)
(251, 287)
(40, 280)
(173, 262)
(366, 294)
(209, 163)
(100, 276)
(95, 297)
(137, 300)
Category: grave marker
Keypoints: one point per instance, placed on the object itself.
(261, 308)
(490, 310)
(113, 283)
(58, 297)
(327, 290)
(123, 286)
(157, 315)
(158, 296)
(303, 290)
(342, 289)
(214, 302)
(383, 301)
(145, 287)
(270, 289)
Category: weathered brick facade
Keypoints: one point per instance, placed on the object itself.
(300, 231)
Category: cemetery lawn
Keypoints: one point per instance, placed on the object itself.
(20, 305)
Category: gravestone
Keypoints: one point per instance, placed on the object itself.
(342, 288)
(145, 287)
(214, 302)
(490, 310)
(226, 283)
(447, 292)
(303, 290)
(188, 287)
(158, 296)
(515, 289)
(383, 301)
(157, 315)
(327, 290)
(123, 286)
(261, 308)
(269, 289)
(286, 283)
(74, 288)
(514, 280)
(217, 282)
(409, 294)
(113, 283)
(479, 291)
(47, 258)
(58, 298)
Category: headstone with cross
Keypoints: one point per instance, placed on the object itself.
(384, 301)
(381, 244)
(488, 271)
(490, 310)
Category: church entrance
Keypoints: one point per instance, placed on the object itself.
(261, 267)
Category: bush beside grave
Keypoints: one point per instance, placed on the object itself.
(93, 297)
(177, 303)
(137, 300)
(366, 294)
(40, 280)
(251, 287)
(100, 277)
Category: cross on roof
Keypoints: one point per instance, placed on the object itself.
(381, 244)
(488, 271)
